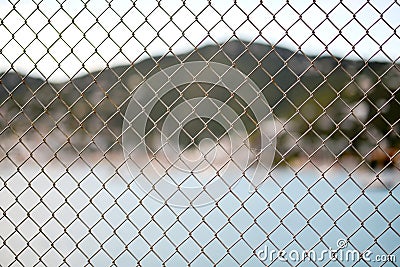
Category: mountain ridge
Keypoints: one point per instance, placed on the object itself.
(313, 98)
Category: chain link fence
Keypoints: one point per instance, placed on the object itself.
(199, 133)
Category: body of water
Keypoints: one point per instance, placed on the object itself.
(97, 215)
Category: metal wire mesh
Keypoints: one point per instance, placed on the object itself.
(69, 194)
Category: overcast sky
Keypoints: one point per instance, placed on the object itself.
(125, 26)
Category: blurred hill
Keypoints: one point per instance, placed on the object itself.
(324, 107)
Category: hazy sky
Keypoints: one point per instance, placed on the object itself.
(125, 26)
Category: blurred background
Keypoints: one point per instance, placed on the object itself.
(328, 70)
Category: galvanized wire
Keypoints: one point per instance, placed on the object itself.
(69, 71)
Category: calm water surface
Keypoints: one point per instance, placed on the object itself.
(291, 212)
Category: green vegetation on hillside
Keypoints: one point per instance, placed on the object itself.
(334, 106)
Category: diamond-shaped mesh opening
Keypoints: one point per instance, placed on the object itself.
(81, 184)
